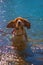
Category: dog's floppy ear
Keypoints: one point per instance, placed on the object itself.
(11, 24)
(26, 23)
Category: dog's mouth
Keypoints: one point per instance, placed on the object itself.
(17, 28)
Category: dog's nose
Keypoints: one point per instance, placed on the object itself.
(19, 23)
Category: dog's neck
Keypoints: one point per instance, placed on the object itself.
(19, 31)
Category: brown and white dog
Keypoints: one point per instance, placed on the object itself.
(19, 38)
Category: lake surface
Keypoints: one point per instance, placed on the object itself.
(32, 10)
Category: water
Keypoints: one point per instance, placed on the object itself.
(29, 9)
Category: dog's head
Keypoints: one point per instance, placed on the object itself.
(18, 22)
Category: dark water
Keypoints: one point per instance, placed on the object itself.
(29, 9)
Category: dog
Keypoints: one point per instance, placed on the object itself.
(19, 36)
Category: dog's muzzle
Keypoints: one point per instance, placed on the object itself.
(19, 24)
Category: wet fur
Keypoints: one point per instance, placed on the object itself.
(19, 41)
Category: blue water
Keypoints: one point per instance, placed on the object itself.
(32, 10)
